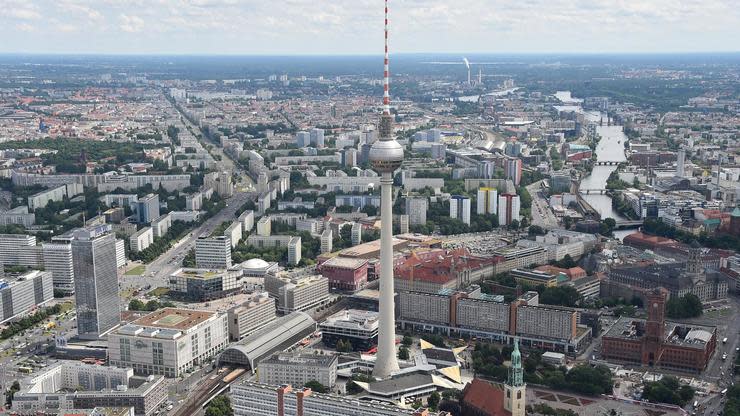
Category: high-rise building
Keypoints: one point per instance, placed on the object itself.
(680, 160)
(460, 208)
(96, 281)
(386, 156)
(213, 252)
(58, 261)
(302, 139)
(264, 226)
(147, 208)
(508, 209)
(416, 209)
(317, 137)
(327, 239)
(403, 222)
(356, 233)
(514, 170)
(294, 250)
(487, 201)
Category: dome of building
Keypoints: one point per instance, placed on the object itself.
(255, 264)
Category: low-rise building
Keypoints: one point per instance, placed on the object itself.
(200, 285)
(534, 278)
(345, 273)
(359, 327)
(70, 385)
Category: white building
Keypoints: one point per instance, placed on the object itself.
(460, 208)
(487, 201)
(120, 253)
(58, 261)
(161, 225)
(251, 315)
(234, 233)
(508, 209)
(298, 369)
(21, 294)
(297, 291)
(194, 202)
(247, 220)
(200, 285)
(141, 239)
(169, 341)
(327, 239)
(213, 252)
(20, 250)
(356, 233)
(264, 226)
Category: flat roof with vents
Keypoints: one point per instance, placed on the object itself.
(174, 318)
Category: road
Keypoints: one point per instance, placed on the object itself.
(542, 215)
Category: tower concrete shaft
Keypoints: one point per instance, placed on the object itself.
(386, 362)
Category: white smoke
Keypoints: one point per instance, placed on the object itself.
(467, 63)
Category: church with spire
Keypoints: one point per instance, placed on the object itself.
(482, 398)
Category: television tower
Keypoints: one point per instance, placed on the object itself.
(386, 156)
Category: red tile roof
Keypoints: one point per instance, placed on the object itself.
(437, 265)
(485, 397)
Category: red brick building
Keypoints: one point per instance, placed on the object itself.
(345, 273)
(657, 343)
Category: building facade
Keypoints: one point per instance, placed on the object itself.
(24, 293)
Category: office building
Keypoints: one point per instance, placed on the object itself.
(416, 209)
(327, 238)
(147, 208)
(201, 285)
(460, 208)
(213, 252)
(359, 327)
(20, 250)
(487, 201)
(512, 257)
(508, 209)
(251, 315)
(403, 223)
(297, 291)
(294, 250)
(96, 281)
(345, 273)
(22, 294)
(264, 226)
(513, 169)
(298, 369)
(141, 239)
(120, 253)
(560, 182)
(534, 278)
(656, 342)
(58, 261)
(71, 385)
(439, 151)
(169, 341)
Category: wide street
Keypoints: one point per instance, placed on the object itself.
(542, 215)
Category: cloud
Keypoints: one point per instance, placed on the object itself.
(131, 24)
(21, 13)
(25, 27)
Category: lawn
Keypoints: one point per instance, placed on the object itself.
(160, 291)
(136, 271)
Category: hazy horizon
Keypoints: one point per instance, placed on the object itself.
(354, 27)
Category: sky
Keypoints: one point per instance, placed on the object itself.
(341, 27)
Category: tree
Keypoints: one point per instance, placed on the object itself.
(407, 340)
(220, 406)
(316, 386)
(433, 400)
(514, 225)
(344, 346)
(560, 295)
(567, 222)
(668, 390)
(687, 306)
(15, 387)
(136, 305)
(403, 353)
(566, 262)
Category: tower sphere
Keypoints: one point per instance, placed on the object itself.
(386, 155)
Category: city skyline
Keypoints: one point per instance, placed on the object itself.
(228, 27)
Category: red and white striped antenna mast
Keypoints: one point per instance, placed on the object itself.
(386, 71)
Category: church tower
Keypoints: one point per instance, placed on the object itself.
(515, 389)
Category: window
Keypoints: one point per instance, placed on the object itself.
(157, 353)
(125, 349)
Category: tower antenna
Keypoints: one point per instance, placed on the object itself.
(386, 70)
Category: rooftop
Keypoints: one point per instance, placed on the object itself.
(301, 359)
(173, 318)
(693, 336)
